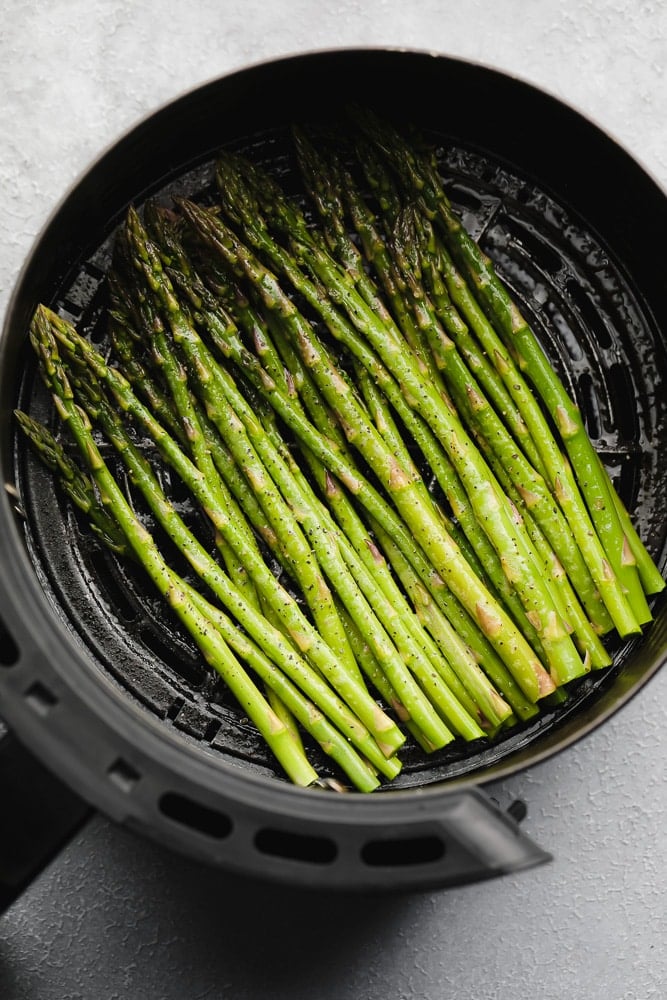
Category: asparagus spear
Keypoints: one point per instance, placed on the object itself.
(77, 484)
(324, 182)
(214, 648)
(328, 184)
(566, 415)
(304, 561)
(301, 631)
(424, 522)
(364, 601)
(482, 489)
(592, 537)
(480, 683)
(391, 273)
(558, 530)
(649, 574)
(390, 217)
(547, 562)
(277, 683)
(454, 652)
(520, 481)
(378, 679)
(607, 552)
(130, 366)
(420, 655)
(81, 490)
(376, 617)
(443, 600)
(323, 440)
(359, 549)
(478, 480)
(426, 583)
(357, 533)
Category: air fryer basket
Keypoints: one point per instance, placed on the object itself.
(96, 677)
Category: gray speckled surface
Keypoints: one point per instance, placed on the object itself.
(117, 918)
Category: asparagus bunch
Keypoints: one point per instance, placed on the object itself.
(611, 545)
(358, 401)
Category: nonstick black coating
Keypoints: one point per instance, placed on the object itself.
(574, 225)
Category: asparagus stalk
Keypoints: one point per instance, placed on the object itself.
(214, 648)
(367, 549)
(424, 523)
(437, 460)
(627, 609)
(392, 275)
(326, 182)
(380, 412)
(422, 265)
(518, 478)
(228, 344)
(555, 526)
(649, 574)
(547, 561)
(323, 440)
(304, 563)
(322, 181)
(330, 187)
(76, 484)
(303, 634)
(457, 655)
(479, 364)
(486, 562)
(566, 415)
(131, 306)
(420, 655)
(359, 550)
(124, 346)
(377, 619)
(454, 652)
(279, 690)
(470, 465)
(365, 603)
(596, 527)
(378, 679)
(481, 486)
(484, 686)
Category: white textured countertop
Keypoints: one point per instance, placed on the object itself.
(113, 918)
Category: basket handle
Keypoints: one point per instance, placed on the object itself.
(40, 815)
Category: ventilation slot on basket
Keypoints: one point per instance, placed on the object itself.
(296, 846)
(536, 247)
(115, 592)
(191, 671)
(589, 404)
(41, 698)
(175, 707)
(9, 651)
(465, 198)
(402, 851)
(624, 399)
(123, 775)
(195, 816)
(592, 319)
(628, 481)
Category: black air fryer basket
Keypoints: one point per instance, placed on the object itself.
(98, 683)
